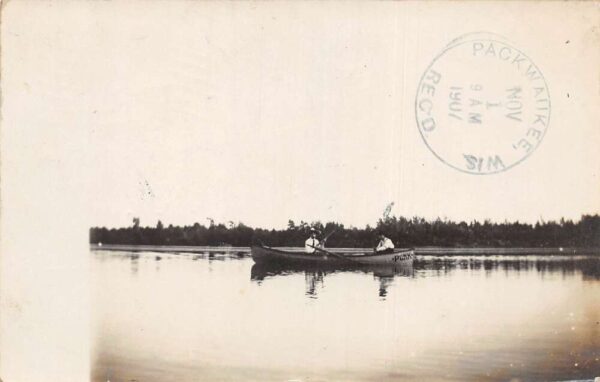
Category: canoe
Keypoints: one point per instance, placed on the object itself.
(271, 255)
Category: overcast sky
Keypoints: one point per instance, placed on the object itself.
(264, 112)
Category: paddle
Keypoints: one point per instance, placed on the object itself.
(329, 234)
(332, 254)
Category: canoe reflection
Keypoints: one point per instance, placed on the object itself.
(314, 274)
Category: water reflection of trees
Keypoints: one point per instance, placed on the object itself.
(135, 263)
(588, 267)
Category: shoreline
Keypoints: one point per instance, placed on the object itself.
(422, 251)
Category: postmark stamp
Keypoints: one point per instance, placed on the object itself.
(482, 105)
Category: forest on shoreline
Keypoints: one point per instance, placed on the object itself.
(414, 232)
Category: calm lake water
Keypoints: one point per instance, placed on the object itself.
(187, 317)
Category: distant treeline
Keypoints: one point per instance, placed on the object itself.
(415, 232)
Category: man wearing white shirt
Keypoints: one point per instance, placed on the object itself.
(312, 242)
(385, 245)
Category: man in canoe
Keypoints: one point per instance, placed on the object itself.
(312, 242)
(384, 245)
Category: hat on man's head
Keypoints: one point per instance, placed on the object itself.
(314, 230)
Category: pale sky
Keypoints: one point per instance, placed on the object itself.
(264, 112)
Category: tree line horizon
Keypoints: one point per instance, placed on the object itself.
(404, 232)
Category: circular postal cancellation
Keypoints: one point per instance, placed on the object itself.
(482, 105)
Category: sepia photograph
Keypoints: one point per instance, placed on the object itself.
(300, 191)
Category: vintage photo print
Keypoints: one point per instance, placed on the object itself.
(299, 191)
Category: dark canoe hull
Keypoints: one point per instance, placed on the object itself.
(276, 256)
